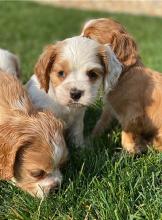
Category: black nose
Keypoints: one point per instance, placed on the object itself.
(55, 187)
(75, 94)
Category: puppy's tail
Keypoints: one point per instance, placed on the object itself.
(9, 63)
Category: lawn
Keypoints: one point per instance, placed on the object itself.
(100, 182)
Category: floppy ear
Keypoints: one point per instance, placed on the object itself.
(113, 68)
(124, 48)
(7, 159)
(10, 143)
(44, 65)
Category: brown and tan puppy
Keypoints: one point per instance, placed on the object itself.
(135, 96)
(32, 147)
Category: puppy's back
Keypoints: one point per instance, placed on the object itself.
(9, 62)
(12, 95)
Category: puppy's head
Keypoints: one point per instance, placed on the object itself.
(72, 71)
(9, 62)
(108, 31)
(34, 152)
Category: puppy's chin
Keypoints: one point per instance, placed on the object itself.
(72, 104)
(75, 104)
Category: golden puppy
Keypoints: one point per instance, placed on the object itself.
(32, 146)
(135, 96)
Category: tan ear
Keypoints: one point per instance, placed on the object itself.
(44, 65)
(112, 66)
(124, 48)
(11, 140)
(7, 159)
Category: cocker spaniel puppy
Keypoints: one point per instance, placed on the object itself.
(67, 77)
(32, 147)
(134, 97)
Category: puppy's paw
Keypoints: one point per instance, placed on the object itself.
(132, 149)
(78, 142)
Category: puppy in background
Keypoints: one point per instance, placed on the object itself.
(134, 97)
(32, 147)
(67, 77)
(9, 62)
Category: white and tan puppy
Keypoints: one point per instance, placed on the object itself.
(9, 62)
(67, 77)
(32, 147)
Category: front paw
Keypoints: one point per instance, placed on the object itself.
(78, 142)
(132, 149)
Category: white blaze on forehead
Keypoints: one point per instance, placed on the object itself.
(81, 52)
(57, 153)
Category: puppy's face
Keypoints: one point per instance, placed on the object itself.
(37, 154)
(37, 167)
(72, 71)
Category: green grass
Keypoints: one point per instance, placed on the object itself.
(100, 182)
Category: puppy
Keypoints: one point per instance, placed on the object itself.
(134, 97)
(32, 147)
(67, 77)
(9, 62)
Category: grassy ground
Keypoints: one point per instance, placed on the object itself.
(100, 182)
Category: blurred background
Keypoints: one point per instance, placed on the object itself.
(146, 7)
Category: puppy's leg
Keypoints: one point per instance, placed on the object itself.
(131, 143)
(104, 121)
(157, 142)
(76, 131)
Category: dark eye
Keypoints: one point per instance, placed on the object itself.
(38, 174)
(92, 75)
(61, 74)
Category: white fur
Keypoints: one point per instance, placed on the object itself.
(57, 153)
(114, 70)
(9, 62)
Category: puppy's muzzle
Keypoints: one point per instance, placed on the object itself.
(75, 94)
(55, 187)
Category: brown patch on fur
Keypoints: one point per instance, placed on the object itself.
(108, 31)
(45, 63)
(60, 65)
